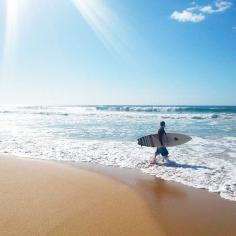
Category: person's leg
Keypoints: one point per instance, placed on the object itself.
(165, 154)
(154, 158)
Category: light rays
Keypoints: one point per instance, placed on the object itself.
(14, 12)
(99, 16)
(104, 22)
(11, 31)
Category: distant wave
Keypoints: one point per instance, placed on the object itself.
(52, 113)
(172, 112)
(37, 113)
(180, 109)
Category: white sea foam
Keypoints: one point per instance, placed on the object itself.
(200, 164)
(109, 138)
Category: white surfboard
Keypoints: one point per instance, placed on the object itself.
(173, 139)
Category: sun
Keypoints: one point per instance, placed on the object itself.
(14, 11)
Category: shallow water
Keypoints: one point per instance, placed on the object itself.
(108, 134)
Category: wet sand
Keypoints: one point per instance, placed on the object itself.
(47, 198)
(179, 209)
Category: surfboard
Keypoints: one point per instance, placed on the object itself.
(173, 139)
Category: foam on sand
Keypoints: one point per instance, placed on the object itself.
(190, 164)
(108, 137)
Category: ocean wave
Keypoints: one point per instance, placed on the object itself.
(48, 113)
(198, 117)
(172, 112)
(102, 135)
(179, 109)
(51, 113)
(201, 163)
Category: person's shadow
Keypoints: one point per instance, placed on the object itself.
(174, 164)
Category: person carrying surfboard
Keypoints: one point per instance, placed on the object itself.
(163, 141)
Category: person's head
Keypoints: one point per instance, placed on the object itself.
(162, 124)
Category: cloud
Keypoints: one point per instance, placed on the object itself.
(222, 5)
(206, 9)
(234, 27)
(197, 13)
(219, 6)
(187, 16)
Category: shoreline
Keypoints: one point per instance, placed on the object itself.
(180, 209)
(47, 198)
(166, 208)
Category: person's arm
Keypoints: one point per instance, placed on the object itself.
(164, 140)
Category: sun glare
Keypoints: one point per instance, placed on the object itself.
(15, 10)
(103, 21)
(12, 12)
(97, 13)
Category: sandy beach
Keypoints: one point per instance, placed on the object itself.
(46, 198)
(179, 209)
(50, 198)
(117, 118)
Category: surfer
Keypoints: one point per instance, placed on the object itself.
(163, 140)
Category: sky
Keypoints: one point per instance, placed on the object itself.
(80, 52)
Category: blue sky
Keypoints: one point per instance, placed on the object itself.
(118, 52)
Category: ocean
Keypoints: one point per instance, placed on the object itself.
(108, 135)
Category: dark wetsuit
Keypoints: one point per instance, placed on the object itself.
(161, 150)
(161, 132)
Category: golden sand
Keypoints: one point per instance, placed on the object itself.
(180, 210)
(47, 198)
